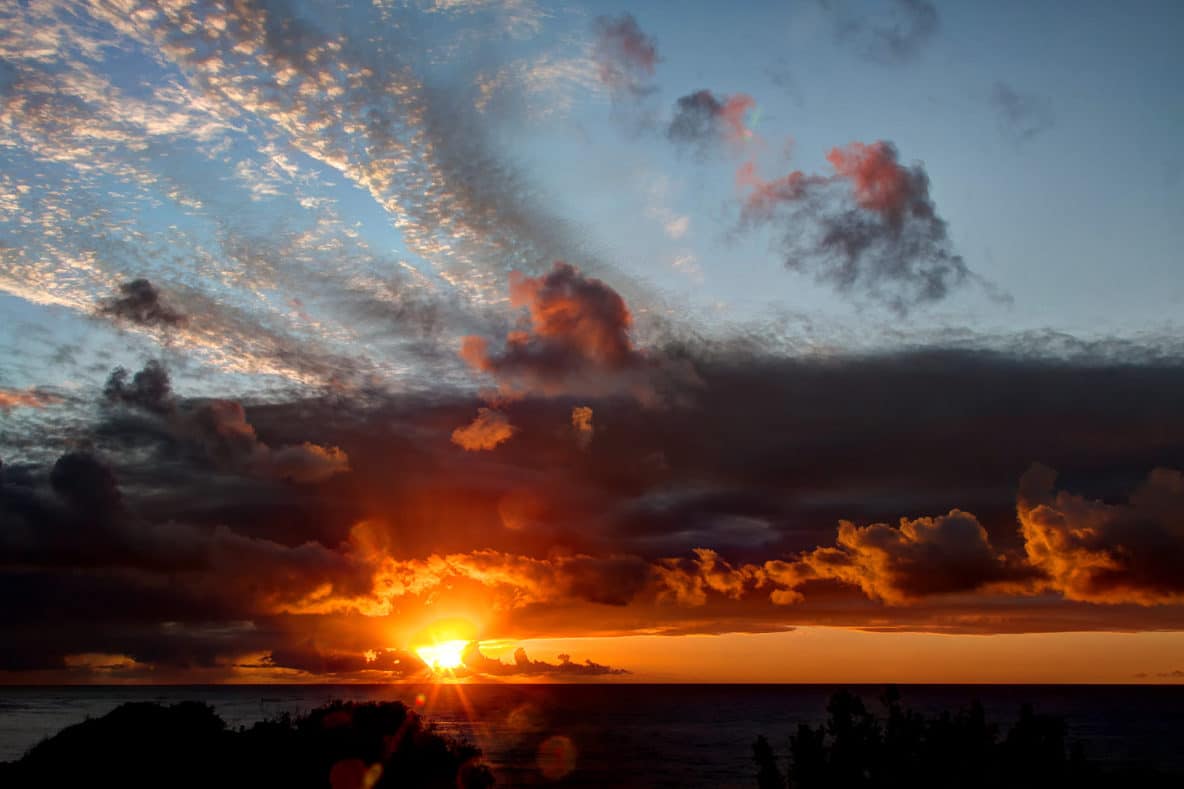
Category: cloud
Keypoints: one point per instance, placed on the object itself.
(149, 388)
(919, 558)
(86, 484)
(581, 423)
(687, 581)
(522, 665)
(506, 581)
(140, 303)
(88, 524)
(577, 340)
(489, 429)
(218, 426)
(306, 107)
(313, 659)
(702, 120)
(625, 55)
(307, 463)
(894, 40)
(870, 229)
(542, 539)
(221, 427)
(27, 398)
(1022, 116)
(1107, 553)
(881, 184)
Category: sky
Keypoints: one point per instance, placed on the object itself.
(806, 341)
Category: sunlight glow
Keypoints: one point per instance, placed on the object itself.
(444, 655)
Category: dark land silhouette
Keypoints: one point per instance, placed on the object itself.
(902, 749)
(340, 745)
(377, 745)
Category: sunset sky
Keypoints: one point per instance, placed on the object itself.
(809, 341)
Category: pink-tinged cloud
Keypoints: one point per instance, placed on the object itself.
(765, 196)
(577, 338)
(702, 119)
(625, 55)
(870, 228)
(489, 429)
(733, 113)
(881, 184)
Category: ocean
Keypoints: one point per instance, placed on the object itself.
(636, 735)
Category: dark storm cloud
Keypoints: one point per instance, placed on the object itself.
(140, 302)
(308, 657)
(219, 428)
(148, 388)
(871, 229)
(721, 513)
(1022, 116)
(85, 525)
(86, 484)
(895, 38)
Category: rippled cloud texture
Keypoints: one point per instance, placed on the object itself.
(317, 362)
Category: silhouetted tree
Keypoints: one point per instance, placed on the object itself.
(855, 749)
(767, 774)
(808, 763)
(187, 746)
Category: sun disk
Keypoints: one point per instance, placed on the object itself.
(444, 655)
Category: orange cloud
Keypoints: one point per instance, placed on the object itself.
(29, 398)
(578, 339)
(502, 581)
(307, 462)
(581, 421)
(899, 565)
(687, 581)
(486, 431)
(1107, 553)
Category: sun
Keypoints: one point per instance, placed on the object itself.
(447, 655)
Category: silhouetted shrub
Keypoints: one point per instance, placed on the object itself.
(857, 749)
(341, 745)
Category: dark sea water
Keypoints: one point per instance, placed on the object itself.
(636, 735)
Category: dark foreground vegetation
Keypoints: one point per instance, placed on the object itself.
(903, 749)
(341, 745)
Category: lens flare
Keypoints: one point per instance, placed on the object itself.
(557, 757)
